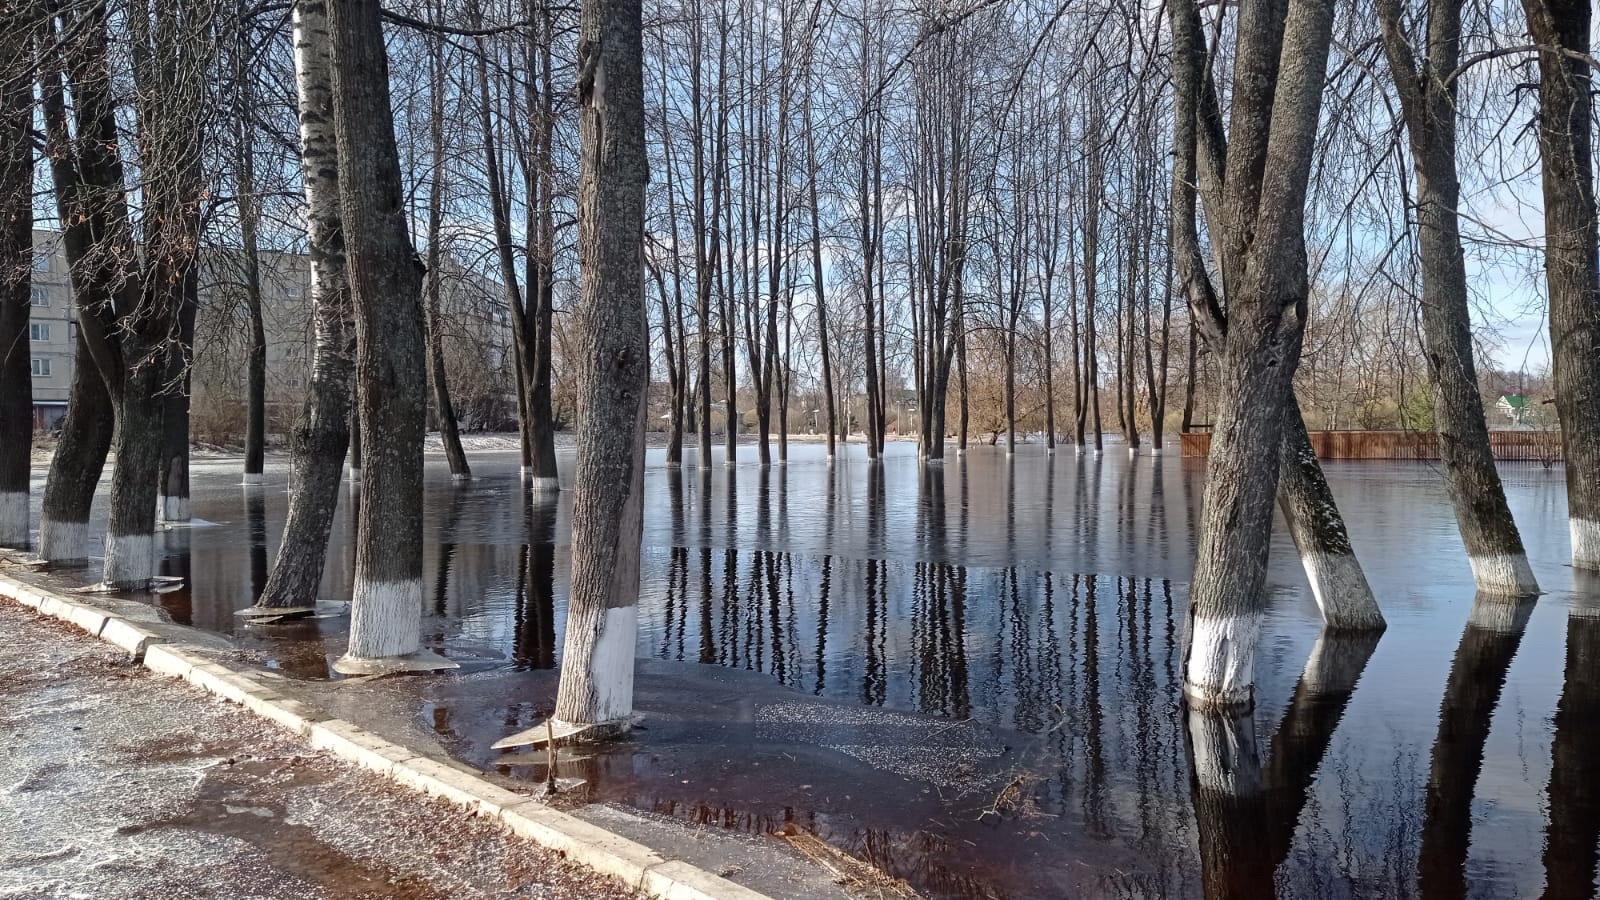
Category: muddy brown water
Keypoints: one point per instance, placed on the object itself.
(970, 675)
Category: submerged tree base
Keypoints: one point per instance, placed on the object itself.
(276, 612)
(1504, 575)
(420, 661)
(1586, 544)
(555, 730)
(1339, 585)
(63, 543)
(1219, 676)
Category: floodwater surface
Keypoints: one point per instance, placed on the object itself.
(970, 674)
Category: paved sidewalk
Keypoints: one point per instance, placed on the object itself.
(116, 783)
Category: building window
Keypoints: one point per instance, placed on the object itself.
(41, 262)
(41, 368)
(37, 332)
(39, 297)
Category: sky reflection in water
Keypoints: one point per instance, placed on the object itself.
(1043, 599)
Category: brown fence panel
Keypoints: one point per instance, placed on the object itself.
(1507, 446)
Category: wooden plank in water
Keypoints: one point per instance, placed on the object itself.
(541, 733)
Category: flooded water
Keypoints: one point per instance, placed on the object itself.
(971, 674)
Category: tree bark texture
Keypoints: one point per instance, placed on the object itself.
(88, 194)
(322, 436)
(173, 50)
(1338, 583)
(16, 273)
(386, 289)
(1281, 61)
(607, 521)
(1428, 106)
(1572, 261)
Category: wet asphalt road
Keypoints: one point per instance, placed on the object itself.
(116, 783)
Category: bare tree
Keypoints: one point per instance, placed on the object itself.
(1255, 206)
(323, 434)
(386, 289)
(1561, 28)
(444, 411)
(16, 269)
(1427, 92)
(133, 337)
(608, 504)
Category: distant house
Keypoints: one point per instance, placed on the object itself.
(1515, 407)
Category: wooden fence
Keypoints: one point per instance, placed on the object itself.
(1508, 446)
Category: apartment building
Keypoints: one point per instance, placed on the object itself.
(52, 331)
(476, 323)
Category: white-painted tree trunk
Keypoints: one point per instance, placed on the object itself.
(63, 543)
(130, 560)
(13, 518)
(1220, 673)
(173, 509)
(1339, 585)
(385, 619)
(608, 473)
(1586, 544)
(1504, 574)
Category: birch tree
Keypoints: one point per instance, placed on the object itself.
(322, 435)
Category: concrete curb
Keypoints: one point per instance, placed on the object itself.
(579, 841)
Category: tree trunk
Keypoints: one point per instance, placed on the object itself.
(138, 445)
(174, 498)
(444, 410)
(1428, 104)
(386, 289)
(138, 363)
(544, 476)
(80, 168)
(1338, 582)
(79, 460)
(249, 206)
(1262, 243)
(1572, 261)
(1190, 368)
(816, 267)
(607, 508)
(323, 435)
(16, 272)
